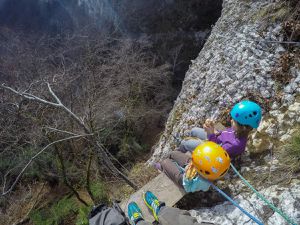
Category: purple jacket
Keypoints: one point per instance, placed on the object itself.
(232, 144)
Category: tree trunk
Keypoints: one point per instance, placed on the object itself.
(111, 167)
(64, 174)
(87, 185)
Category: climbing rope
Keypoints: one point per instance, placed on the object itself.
(289, 220)
(236, 204)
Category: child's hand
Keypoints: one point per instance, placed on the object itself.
(216, 132)
(209, 122)
(209, 126)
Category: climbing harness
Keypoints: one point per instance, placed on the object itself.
(289, 220)
(236, 204)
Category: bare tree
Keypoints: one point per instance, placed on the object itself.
(115, 87)
(102, 154)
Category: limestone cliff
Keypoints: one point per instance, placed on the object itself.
(237, 60)
(240, 60)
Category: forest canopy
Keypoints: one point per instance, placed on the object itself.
(115, 86)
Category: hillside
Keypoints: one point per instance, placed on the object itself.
(89, 95)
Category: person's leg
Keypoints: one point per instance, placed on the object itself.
(167, 215)
(199, 133)
(181, 158)
(189, 144)
(143, 222)
(172, 171)
(135, 214)
(175, 216)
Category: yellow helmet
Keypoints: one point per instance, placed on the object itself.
(211, 160)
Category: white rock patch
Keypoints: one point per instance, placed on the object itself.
(285, 199)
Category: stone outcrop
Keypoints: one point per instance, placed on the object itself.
(238, 60)
(226, 214)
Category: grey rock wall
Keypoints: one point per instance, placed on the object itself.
(238, 59)
(287, 200)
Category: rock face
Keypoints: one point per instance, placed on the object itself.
(238, 60)
(288, 200)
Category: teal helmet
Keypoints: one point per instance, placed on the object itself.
(247, 113)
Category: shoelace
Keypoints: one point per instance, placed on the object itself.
(155, 205)
(135, 216)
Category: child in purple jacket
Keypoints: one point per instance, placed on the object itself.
(246, 115)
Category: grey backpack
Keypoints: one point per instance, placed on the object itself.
(105, 215)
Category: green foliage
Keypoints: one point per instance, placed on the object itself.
(273, 12)
(55, 214)
(99, 192)
(42, 164)
(291, 154)
(82, 216)
(129, 148)
(65, 207)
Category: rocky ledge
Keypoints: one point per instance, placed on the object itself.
(287, 198)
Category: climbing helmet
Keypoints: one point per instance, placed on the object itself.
(211, 160)
(247, 113)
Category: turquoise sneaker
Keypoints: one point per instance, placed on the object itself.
(153, 204)
(134, 213)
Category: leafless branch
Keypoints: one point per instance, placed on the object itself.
(175, 56)
(61, 131)
(29, 96)
(26, 217)
(112, 157)
(133, 85)
(101, 151)
(32, 159)
(58, 103)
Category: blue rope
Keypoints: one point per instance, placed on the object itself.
(289, 220)
(236, 204)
